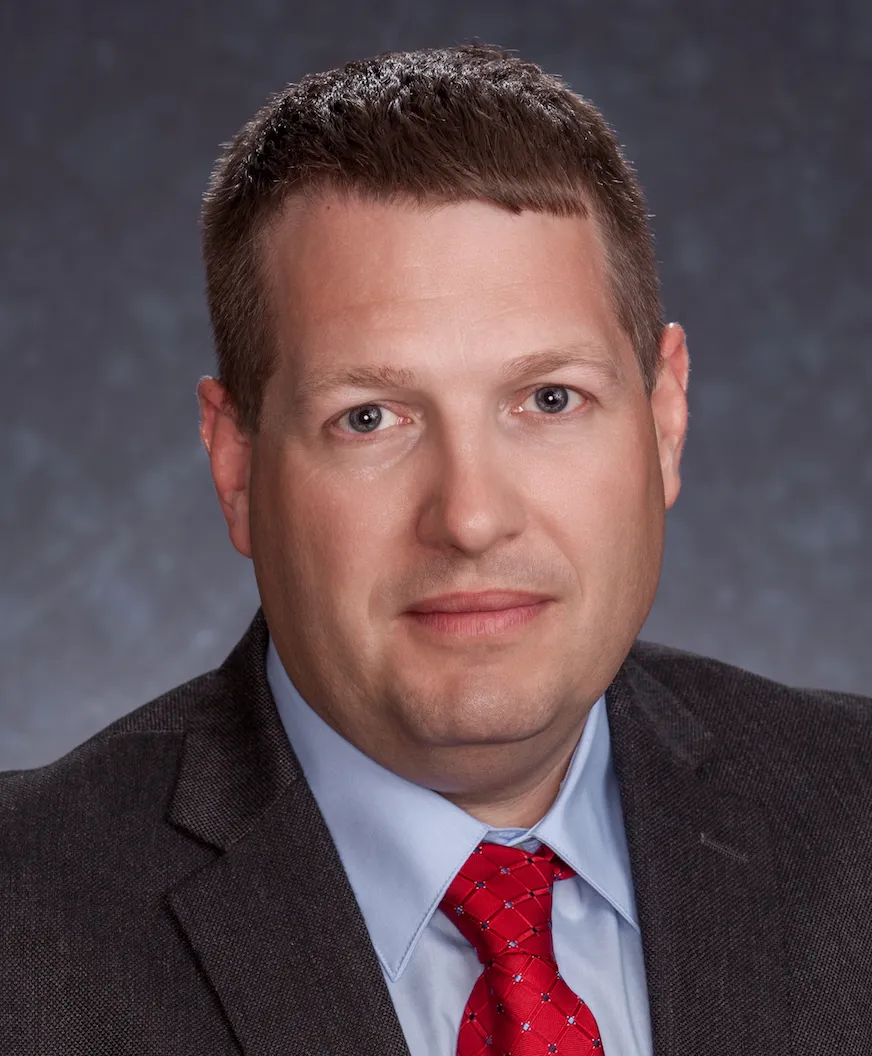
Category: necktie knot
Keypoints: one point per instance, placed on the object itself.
(501, 901)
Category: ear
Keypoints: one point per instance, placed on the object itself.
(229, 451)
(669, 408)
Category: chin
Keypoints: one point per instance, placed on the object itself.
(478, 729)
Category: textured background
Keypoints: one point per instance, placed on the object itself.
(749, 124)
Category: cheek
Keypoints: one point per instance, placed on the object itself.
(330, 534)
(613, 472)
(608, 502)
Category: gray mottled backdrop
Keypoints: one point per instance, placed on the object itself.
(750, 125)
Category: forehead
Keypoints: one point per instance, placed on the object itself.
(353, 279)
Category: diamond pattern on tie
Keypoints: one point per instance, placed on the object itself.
(520, 1006)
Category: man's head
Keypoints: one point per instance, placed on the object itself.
(452, 219)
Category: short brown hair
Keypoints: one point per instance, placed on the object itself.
(441, 125)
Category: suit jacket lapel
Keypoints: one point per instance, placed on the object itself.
(272, 920)
(703, 873)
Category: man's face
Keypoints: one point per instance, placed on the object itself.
(363, 501)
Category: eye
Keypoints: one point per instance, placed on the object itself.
(368, 417)
(551, 401)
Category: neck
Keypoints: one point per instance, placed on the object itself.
(521, 804)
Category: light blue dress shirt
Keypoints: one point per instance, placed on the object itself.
(402, 844)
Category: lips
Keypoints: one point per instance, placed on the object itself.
(482, 601)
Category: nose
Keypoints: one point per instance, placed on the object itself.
(471, 500)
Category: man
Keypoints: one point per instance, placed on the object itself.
(439, 799)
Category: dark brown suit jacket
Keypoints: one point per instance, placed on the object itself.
(169, 887)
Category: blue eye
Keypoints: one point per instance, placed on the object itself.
(550, 400)
(369, 417)
(554, 404)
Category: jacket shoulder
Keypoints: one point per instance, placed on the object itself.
(766, 726)
(212, 700)
(716, 685)
(156, 727)
(87, 856)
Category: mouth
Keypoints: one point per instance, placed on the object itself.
(478, 601)
(479, 623)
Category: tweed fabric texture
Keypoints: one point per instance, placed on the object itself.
(501, 902)
(169, 888)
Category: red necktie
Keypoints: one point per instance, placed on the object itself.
(520, 1006)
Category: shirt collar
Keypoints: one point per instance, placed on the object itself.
(402, 844)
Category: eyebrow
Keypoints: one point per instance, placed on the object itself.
(594, 358)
